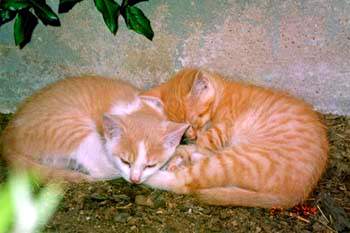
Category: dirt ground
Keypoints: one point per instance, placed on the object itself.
(117, 206)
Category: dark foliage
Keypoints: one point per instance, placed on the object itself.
(26, 14)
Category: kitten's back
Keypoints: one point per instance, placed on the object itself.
(57, 118)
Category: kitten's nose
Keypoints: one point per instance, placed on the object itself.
(135, 179)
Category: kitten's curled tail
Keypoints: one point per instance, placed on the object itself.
(234, 196)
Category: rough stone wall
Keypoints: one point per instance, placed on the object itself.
(299, 46)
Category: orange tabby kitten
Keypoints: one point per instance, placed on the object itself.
(255, 146)
(90, 128)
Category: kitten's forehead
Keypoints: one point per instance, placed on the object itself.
(145, 123)
(143, 130)
(141, 155)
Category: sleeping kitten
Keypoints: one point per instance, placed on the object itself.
(255, 146)
(90, 128)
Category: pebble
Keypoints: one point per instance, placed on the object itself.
(132, 221)
(224, 215)
(234, 223)
(121, 217)
(159, 202)
(317, 227)
(98, 197)
(159, 212)
(144, 201)
(121, 197)
(206, 211)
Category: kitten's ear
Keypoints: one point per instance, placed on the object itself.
(202, 84)
(174, 133)
(113, 126)
(153, 102)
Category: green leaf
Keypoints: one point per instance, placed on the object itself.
(46, 203)
(6, 16)
(133, 2)
(45, 13)
(15, 5)
(67, 5)
(110, 11)
(7, 209)
(23, 27)
(137, 21)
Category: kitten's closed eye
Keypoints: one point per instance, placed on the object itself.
(151, 165)
(125, 161)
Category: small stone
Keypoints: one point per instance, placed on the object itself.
(98, 197)
(121, 198)
(171, 205)
(206, 211)
(258, 229)
(183, 208)
(132, 221)
(159, 202)
(121, 217)
(224, 215)
(144, 201)
(317, 227)
(284, 223)
(170, 229)
(159, 212)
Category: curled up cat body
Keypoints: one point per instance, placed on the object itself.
(90, 128)
(254, 146)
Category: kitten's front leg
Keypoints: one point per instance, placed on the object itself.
(213, 139)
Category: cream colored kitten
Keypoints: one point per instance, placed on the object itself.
(90, 128)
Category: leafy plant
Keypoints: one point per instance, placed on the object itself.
(27, 13)
(24, 206)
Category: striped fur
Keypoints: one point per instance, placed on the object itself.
(89, 128)
(260, 147)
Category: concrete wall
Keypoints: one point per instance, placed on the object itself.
(299, 46)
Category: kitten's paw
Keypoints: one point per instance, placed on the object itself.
(209, 140)
(204, 141)
(176, 163)
(181, 158)
(185, 155)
